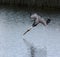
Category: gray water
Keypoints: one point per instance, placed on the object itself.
(13, 23)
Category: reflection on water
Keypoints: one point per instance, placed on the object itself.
(13, 23)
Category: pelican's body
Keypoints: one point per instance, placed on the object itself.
(37, 19)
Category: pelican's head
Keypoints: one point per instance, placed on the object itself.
(34, 16)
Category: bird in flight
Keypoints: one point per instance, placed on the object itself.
(36, 20)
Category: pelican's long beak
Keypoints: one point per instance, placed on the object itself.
(27, 30)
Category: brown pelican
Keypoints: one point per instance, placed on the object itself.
(38, 19)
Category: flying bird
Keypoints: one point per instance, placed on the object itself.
(36, 20)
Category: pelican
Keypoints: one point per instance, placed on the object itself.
(38, 19)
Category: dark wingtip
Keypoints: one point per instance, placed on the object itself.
(48, 21)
